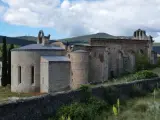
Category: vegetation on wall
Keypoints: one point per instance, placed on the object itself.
(83, 111)
(97, 109)
(142, 62)
(158, 61)
(114, 106)
(145, 74)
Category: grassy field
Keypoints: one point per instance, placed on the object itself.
(6, 93)
(157, 71)
(146, 108)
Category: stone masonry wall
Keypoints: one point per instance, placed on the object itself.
(39, 108)
(26, 59)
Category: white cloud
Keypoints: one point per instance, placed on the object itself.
(2, 8)
(65, 4)
(117, 17)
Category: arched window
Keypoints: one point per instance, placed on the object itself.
(95, 54)
(19, 74)
(135, 34)
(32, 74)
(141, 33)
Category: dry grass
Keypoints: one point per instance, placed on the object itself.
(157, 71)
(5, 93)
(141, 109)
(128, 78)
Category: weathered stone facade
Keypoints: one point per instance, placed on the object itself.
(111, 57)
(96, 62)
(55, 74)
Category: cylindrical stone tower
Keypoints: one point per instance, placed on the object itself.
(79, 68)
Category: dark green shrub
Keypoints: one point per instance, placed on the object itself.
(86, 93)
(145, 74)
(83, 111)
(84, 87)
(143, 63)
(111, 94)
(4, 63)
(137, 91)
(158, 61)
(9, 64)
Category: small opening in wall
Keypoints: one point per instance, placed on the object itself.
(134, 34)
(19, 74)
(42, 80)
(69, 55)
(32, 74)
(141, 51)
(141, 33)
(112, 74)
(95, 54)
(101, 57)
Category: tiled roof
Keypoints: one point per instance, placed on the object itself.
(38, 47)
(56, 58)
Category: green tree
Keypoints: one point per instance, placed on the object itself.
(142, 62)
(9, 64)
(4, 63)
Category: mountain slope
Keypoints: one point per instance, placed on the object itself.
(156, 44)
(29, 38)
(86, 38)
(17, 41)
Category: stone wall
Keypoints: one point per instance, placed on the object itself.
(39, 108)
(25, 60)
(79, 68)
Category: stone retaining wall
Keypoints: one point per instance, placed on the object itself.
(39, 108)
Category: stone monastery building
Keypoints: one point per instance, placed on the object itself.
(47, 68)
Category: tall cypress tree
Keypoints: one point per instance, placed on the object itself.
(4, 63)
(9, 64)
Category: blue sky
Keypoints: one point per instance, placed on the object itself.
(68, 18)
(7, 29)
(16, 30)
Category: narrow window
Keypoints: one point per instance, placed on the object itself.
(95, 54)
(42, 80)
(19, 74)
(32, 74)
(69, 55)
(141, 52)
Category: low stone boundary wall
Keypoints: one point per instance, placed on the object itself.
(39, 108)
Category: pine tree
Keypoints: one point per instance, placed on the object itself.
(9, 64)
(4, 63)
